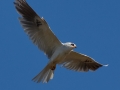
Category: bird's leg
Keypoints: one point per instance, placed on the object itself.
(53, 66)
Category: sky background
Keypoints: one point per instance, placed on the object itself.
(93, 25)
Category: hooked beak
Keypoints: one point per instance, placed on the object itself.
(75, 46)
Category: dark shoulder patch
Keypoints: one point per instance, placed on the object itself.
(38, 23)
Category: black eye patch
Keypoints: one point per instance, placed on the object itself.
(72, 44)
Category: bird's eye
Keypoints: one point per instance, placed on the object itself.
(72, 44)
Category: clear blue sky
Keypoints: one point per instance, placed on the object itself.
(93, 25)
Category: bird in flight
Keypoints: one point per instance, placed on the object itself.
(57, 52)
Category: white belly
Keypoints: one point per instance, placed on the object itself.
(59, 55)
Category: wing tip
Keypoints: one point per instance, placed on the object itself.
(106, 65)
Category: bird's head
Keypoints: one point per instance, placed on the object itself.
(69, 44)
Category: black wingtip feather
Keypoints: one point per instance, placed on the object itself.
(24, 9)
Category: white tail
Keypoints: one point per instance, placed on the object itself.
(45, 75)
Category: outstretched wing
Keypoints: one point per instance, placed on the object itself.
(37, 28)
(79, 62)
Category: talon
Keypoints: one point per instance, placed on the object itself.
(53, 67)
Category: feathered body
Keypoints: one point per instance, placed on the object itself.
(58, 53)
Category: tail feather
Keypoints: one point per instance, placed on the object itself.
(44, 76)
(48, 76)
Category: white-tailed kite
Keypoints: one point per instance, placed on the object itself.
(58, 53)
